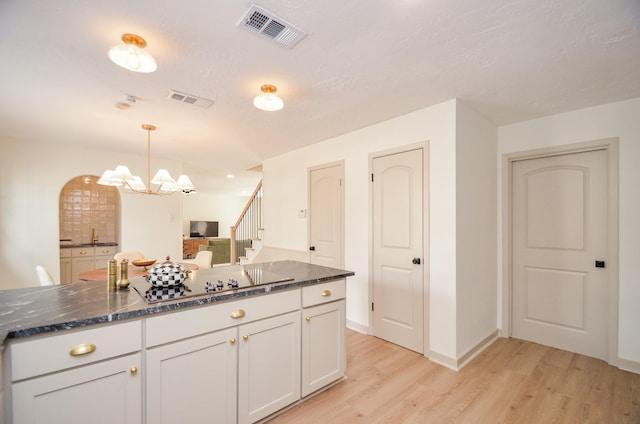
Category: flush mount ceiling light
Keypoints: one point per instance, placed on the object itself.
(131, 56)
(268, 100)
(165, 184)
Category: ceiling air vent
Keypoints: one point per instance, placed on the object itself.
(190, 98)
(260, 21)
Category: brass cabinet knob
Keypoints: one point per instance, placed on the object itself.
(83, 252)
(245, 337)
(238, 314)
(308, 319)
(232, 341)
(326, 293)
(133, 370)
(82, 349)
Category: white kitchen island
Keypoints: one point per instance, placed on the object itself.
(80, 352)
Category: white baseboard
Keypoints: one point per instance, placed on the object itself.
(356, 326)
(629, 365)
(444, 360)
(461, 362)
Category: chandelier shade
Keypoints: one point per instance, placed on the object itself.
(130, 55)
(163, 182)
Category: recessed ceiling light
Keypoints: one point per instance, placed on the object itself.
(230, 176)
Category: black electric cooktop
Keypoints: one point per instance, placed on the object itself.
(208, 281)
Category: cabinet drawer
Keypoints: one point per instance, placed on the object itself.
(78, 252)
(189, 323)
(323, 293)
(53, 353)
(105, 250)
(65, 253)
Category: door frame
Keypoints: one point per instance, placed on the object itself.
(424, 145)
(610, 146)
(339, 163)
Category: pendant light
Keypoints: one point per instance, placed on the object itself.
(268, 100)
(165, 184)
(130, 55)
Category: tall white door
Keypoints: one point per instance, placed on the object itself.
(559, 218)
(398, 306)
(326, 216)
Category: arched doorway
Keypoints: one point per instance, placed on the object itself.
(89, 215)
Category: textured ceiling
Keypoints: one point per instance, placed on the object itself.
(363, 62)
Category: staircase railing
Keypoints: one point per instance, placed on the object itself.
(246, 228)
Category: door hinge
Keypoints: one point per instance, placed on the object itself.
(372, 306)
(371, 177)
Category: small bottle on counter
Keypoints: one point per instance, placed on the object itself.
(124, 282)
(112, 275)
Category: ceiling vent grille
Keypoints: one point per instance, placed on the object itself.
(190, 99)
(258, 20)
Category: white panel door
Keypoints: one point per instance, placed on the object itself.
(398, 306)
(326, 216)
(559, 214)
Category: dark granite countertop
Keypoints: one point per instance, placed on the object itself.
(71, 245)
(38, 310)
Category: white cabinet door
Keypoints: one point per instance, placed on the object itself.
(193, 381)
(80, 265)
(102, 393)
(65, 270)
(268, 366)
(323, 345)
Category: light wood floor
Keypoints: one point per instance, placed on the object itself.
(513, 381)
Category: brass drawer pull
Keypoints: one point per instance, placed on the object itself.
(232, 341)
(237, 314)
(245, 337)
(133, 370)
(308, 319)
(326, 293)
(82, 349)
(83, 252)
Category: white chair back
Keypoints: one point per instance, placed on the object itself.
(44, 276)
(202, 259)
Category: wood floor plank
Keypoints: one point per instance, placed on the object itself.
(512, 381)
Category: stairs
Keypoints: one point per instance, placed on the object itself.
(252, 252)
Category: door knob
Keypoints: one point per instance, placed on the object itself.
(416, 261)
(312, 248)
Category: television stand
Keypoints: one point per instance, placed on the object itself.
(190, 246)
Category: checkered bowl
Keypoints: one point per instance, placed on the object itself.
(167, 274)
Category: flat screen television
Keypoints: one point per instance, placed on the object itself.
(203, 229)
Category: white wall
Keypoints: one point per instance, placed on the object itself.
(285, 192)
(224, 208)
(31, 177)
(476, 231)
(621, 119)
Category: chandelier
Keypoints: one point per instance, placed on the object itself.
(163, 182)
